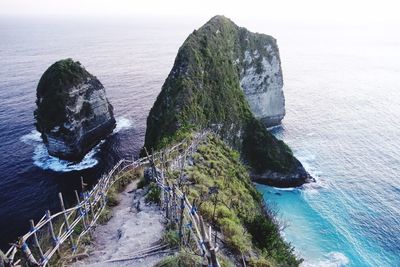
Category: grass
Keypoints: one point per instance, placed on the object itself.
(154, 194)
(182, 259)
(236, 209)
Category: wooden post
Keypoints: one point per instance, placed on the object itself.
(3, 260)
(173, 205)
(211, 250)
(87, 196)
(167, 201)
(81, 210)
(162, 179)
(51, 230)
(35, 239)
(181, 218)
(28, 253)
(83, 185)
(66, 221)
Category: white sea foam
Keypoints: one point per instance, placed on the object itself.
(33, 136)
(286, 188)
(123, 123)
(42, 159)
(332, 259)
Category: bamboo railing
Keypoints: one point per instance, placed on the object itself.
(70, 225)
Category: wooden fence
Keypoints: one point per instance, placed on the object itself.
(69, 226)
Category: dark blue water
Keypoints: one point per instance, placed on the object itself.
(343, 106)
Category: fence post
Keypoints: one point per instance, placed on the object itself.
(82, 210)
(35, 239)
(28, 253)
(181, 219)
(66, 221)
(173, 205)
(51, 230)
(162, 179)
(167, 201)
(211, 250)
(3, 260)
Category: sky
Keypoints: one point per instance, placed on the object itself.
(303, 10)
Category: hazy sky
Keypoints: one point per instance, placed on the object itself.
(306, 10)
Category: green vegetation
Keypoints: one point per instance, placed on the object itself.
(203, 91)
(181, 259)
(236, 208)
(171, 237)
(154, 193)
(52, 95)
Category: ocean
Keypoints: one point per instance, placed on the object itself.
(342, 121)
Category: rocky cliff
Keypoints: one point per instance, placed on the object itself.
(260, 73)
(228, 79)
(73, 113)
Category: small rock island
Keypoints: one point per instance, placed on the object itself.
(73, 113)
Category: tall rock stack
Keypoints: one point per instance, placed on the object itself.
(73, 113)
(228, 79)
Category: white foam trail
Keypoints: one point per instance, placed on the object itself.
(332, 259)
(286, 188)
(123, 124)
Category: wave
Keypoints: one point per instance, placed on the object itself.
(332, 259)
(33, 136)
(123, 123)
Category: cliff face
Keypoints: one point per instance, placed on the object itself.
(73, 113)
(223, 78)
(261, 76)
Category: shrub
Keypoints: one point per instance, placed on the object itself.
(171, 237)
(182, 259)
(154, 194)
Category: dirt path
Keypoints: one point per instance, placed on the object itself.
(128, 231)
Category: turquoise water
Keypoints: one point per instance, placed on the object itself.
(343, 105)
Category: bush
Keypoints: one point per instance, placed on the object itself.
(171, 237)
(182, 259)
(154, 194)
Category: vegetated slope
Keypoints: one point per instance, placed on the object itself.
(235, 207)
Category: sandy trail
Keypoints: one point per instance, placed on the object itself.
(128, 231)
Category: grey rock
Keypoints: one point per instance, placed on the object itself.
(261, 76)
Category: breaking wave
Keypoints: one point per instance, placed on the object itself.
(123, 123)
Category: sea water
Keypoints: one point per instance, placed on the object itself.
(342, 121)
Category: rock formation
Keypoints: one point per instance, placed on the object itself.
(228, 79)
(261, 76)
(73, 113)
